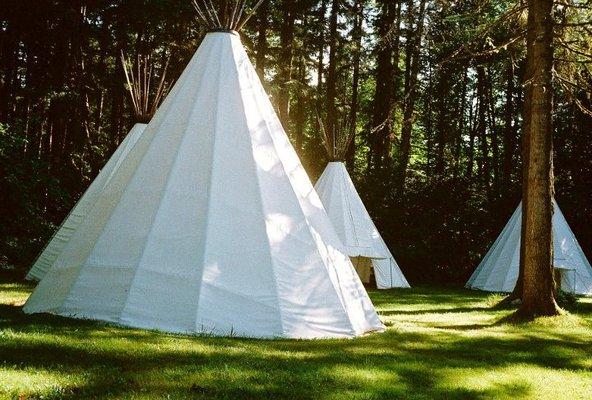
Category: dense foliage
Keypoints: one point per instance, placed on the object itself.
(434, 88)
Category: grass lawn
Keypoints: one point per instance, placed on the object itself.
(440, 344)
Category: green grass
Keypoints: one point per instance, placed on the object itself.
(440, 344)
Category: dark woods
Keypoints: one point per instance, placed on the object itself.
(434, 88)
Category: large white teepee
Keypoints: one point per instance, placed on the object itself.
(355, 228)
(498, 271)
(70, 225)
(210, 224)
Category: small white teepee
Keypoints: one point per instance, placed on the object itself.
(498, 271)
(62, 236)
(363, 244)
(139, 79)
(210, 224)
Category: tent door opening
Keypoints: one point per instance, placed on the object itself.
(363, 267)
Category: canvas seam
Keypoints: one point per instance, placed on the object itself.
(158, 208)
(209, 198)
(271, 258)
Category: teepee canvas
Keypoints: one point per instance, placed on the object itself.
(139, 76)
(498, 271)
(72, 222)
(210, 224)
(363, 243)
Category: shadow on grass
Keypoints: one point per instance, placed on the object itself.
(469, 327)
(455, 310)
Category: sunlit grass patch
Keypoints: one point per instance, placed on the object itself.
(494, 299)
(17, 381)
(529, 381)
(14, 293)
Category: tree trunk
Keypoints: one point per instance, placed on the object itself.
(471, 145)
(410, 95)
(285, 62)
(261, 47)
(117, 94)
(494, 136)
(300, 112)
(443, 125)
(331, 91)
(9, 68)
(509, 131)
(383, 97)
(357, 40)
(321, 50)
(526, 116)
(538, 293)
(483, 167)
(460, 126)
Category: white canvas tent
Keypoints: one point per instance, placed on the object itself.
(70, 225)
(210, 224)
(355, 228)
(498, 271)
